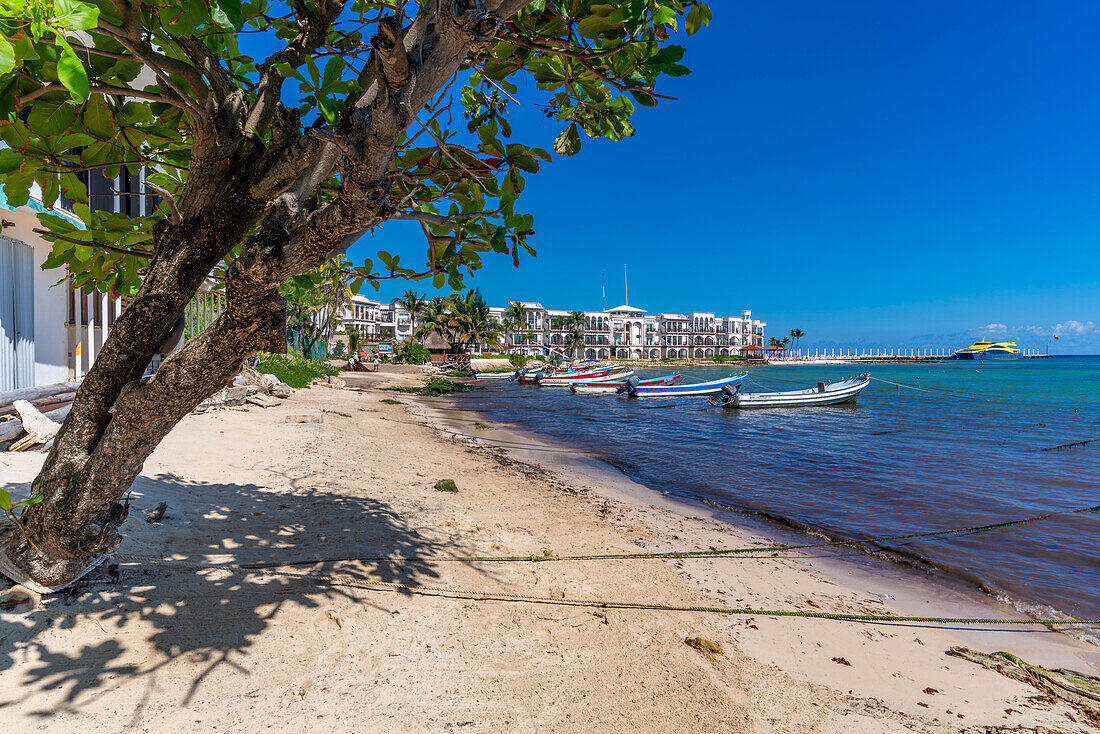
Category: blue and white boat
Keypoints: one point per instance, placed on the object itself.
(683, 391)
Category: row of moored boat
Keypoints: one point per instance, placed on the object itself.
(594, 378)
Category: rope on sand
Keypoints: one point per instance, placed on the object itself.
(714, 553)
(502, 596)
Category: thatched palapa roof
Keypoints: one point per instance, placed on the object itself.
(435, 342)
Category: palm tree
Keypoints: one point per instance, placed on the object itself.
(575, 322)
(414, 303)
(474, 320)
(797, 335)
(353, 340)
(436, 319)
(515, 318)
(335, 291)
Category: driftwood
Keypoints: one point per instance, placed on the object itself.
(32, 394)
(44, 404)
(11, 428)
(38, 426)
(1068, 685)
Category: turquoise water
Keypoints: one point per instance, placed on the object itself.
(963, 450)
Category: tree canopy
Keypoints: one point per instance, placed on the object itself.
(275, 135)
(110, 85)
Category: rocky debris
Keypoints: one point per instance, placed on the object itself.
(18, 595)
(335, 383)
(264, 401)
(156, 514)
(307, 418)
(249, 387)
(249, 376)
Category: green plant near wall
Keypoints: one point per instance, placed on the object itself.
(293, 369)
(412, 353)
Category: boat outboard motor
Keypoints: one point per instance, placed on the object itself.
(630, 384)
(538, 378)
(518, 374)
(729, 392)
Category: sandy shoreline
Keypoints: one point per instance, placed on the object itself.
(181, 647)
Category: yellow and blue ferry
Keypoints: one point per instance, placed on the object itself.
(989, 350)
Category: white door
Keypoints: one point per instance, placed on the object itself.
(16, 315)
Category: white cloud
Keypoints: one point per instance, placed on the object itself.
(993, 327)
(1075, 327)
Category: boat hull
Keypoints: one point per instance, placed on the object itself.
(686, 391)
(986, 355)
(567, 380)
(598, 387)
(839, 393)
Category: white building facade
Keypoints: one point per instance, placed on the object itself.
(624, 332)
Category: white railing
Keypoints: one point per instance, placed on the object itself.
(91, 316)
(206, 306)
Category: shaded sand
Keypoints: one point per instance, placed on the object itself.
(180, 648)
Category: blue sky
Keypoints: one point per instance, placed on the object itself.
(902, 174)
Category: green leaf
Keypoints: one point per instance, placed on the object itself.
(30, 501)
(665, 15)
(98, 119)
(7, 55)
(227, 14)
(50, 189)
(698, 17)
(71, 71)
(54, 223)
(289, 71)
(51, 116)
(15, 134)
(5, 501)
(76, 15)
(10, 160)
(568, 141)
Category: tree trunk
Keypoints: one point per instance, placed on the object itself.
(117, 419)
(234, 182)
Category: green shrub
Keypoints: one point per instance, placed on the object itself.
(292, 369)
(412, 353)
(434, 387)
(517, 360)
(338, 350)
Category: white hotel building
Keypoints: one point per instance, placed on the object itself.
(625, 332)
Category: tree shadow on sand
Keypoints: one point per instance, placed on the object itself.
(205, 612)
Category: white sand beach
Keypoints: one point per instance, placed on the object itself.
(186, 646)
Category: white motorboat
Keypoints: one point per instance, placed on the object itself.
(833, 393)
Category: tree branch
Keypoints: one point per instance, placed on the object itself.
(103, 89)
(168, 197)
(96, 245)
